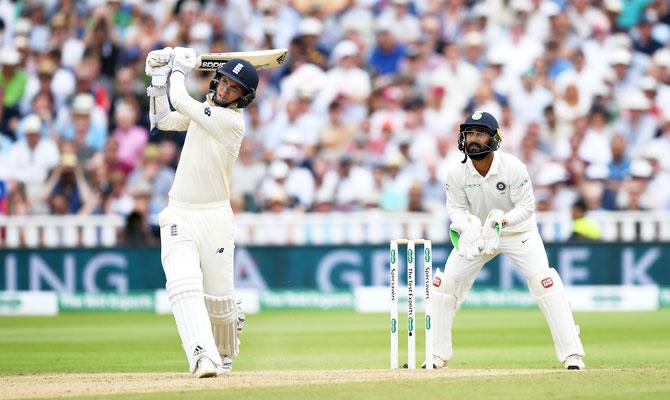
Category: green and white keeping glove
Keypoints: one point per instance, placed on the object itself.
(466, 236)
(491, 231)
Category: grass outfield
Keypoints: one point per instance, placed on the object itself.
(628, 356)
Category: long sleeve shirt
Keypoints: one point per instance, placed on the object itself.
(506, 186)
(213, 139)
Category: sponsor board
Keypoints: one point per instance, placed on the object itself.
(614, 298)
(28, 303)
(89, 302)
(581, 298)
(306, 299)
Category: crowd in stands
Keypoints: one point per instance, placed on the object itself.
(363, 115)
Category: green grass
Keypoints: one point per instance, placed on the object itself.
(635, 345)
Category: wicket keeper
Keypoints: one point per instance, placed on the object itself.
(492, 186)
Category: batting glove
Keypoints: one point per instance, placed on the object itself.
(157, 59)
(466, 237)
(184, 60)
(491, 231)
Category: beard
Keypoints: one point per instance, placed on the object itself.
(477, 148)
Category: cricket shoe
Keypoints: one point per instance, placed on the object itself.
(574, 362)
(438, 363)
(205, 368)
(225, 367)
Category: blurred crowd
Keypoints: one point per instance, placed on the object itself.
(364, 113)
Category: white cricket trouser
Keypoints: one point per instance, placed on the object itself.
(197, 255)
(207, 229)
(527, 251)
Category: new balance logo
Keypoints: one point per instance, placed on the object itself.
(173, 230)
(238, 68)
(219, 250)
(198, 350)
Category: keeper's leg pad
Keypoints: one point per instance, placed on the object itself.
(444, 303)
(548, 290)
(227, 322)
(184, 289)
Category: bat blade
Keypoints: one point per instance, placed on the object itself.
(261, 59)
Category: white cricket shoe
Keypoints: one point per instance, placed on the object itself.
(226, 367)
(205, 368)
(438, 363)
(574, 362)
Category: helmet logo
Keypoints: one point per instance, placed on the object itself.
(477, 115)
(238, 68)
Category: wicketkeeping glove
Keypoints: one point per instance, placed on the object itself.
(466, 237)
(491, 231)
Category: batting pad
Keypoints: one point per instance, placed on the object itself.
(186, 298)
(548, 290)
(226, 323)
(444, 305)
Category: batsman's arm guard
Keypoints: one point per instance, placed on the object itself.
(159, 111)
(227, 322)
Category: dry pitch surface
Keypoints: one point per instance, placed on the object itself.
(66, 385)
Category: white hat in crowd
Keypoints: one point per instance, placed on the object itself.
(552, 173)
(83, 103)
(278, 169)
(597, 171)
(621, 55)
(641, 168)
(9, 56)
(635, 99)
(662, 58)
(32, 124)
(345, 48)
(310, 26)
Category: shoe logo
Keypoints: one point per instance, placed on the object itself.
(219, 250)
(547, 283)
(524, 241)
(173, 230)
(437, 281)
(198, 350)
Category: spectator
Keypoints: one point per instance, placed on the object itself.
(67, 189)
(584, 229)
(131, 138)
(82, 109)
(12, 78)
(387, 53)
(31, 159)
(158, 176)
(137, 232)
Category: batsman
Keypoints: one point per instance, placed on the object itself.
(197, 225)
(492, 186)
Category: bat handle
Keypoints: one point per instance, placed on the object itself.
(154, 63)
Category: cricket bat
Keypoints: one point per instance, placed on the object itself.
(261, 59)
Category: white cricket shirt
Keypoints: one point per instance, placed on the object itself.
(506, 186)
(213, 138)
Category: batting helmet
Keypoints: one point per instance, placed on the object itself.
(242, 72)
(486, 121)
